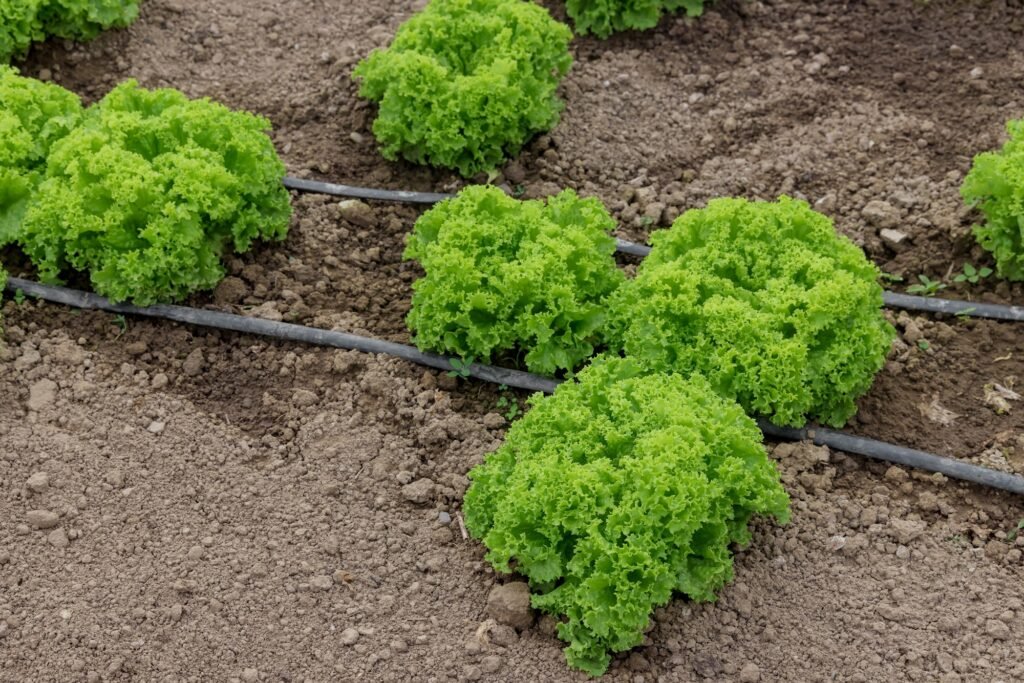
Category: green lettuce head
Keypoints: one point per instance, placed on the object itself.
(617, 492)
(766, 301)
(150, 190)
(466, 83)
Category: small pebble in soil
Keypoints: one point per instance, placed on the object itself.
(444, 518)
(349, 636)
(750, 673)
(509, 603)
(490, 664)
(58, 538)
(38, 482)
(419, 491)
(43, 519)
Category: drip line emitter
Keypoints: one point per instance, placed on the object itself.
(879, 450)
(907, 302)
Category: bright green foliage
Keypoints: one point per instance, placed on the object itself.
(23, 22)
(467, 82)
(33, 116)
(149, 191)
(19, 27)
(616, 492)
(603, 17)
(996, 186)
(764, 299)
(504, 274)
(85, 19)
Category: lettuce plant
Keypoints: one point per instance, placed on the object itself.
(466, 83)
(505, 275)
(603, 17)
(33, 116)
(766, 301)
(23, 22)
(618, 491)
(995, 185)
(148, 192)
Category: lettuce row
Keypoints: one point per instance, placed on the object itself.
(466, 83)
(33, 116)
(146, 193)
(504, 275)
(995, 185)
(617, 491)
(766, 301)
(23, 22)
(604, 17)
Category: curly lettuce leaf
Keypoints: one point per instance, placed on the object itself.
(150, 190)
(618, 491)
(19, 27)
(995, 185)
(764, 299)
(466, 83)
(504, 275)
(33, 116)
(604, 17)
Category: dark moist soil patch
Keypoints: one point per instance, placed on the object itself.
(233, 509)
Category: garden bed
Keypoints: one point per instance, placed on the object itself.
(232, 507)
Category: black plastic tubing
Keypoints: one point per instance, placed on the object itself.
(871, 448)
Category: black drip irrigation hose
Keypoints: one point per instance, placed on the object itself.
(277, 330)
(858, 445)
(317, 187)
(953, 307)
(891, 299)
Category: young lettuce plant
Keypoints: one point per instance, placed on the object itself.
(995, 185)
(505, 275)
(764, 299)
(33, 116)
(618, 491)
(603, 17)
(466, 83)
(148, 192)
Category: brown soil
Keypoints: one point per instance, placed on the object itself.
(233, 509)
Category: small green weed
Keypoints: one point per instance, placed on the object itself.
(460, 367)
(507, 404)
(927, 286)
(122, 324)
(972, 275)
(890, 277)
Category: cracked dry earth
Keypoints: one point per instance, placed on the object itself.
(178, 504)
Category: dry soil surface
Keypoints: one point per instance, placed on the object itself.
(182, 505)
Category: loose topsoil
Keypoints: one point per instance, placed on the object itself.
(218, 507)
